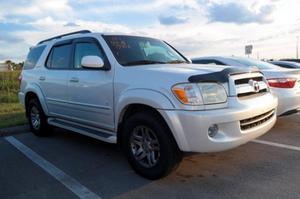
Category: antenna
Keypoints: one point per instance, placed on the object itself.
(297, 48)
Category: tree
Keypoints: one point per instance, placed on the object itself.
(9, 64)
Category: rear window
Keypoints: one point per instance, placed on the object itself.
(252, 62)
(33, 56)
(60, 57)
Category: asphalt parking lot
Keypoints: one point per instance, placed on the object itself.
(68, 165)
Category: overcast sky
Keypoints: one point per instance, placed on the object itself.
(195, 27)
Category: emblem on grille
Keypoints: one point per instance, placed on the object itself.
(255, 85)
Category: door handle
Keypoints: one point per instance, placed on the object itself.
(74, 80)
(42, 78)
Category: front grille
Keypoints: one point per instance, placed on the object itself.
(256, 121)
(252, 93)
(250, 86)
(246, 80)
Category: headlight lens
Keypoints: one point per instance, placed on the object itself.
(199, 94)
(188, 94)
(213, 93)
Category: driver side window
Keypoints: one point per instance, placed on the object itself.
(85, 49)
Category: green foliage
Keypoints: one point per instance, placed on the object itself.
(11, 111)
(9, 86)
(11, 114)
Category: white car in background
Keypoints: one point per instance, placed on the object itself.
(286, 64)
(284, 83)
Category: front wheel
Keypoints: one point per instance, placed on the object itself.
(149, 145)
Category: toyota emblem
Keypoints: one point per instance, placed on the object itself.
(255, 85)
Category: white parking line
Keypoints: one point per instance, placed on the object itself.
(72, 184)
(285, 146)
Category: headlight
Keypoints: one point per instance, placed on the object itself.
(199, 94)
(213, 93)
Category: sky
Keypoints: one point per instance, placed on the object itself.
(195, 27)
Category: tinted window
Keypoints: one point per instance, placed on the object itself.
(208, 61)
(85, 49)
(283, 65)
(253, 62)
(33, 57)
(60, 57)
(131, 50)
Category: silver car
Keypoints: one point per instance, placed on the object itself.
(284, 83)
(286, 64)
(142, 94)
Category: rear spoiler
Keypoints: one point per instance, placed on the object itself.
(221, 76)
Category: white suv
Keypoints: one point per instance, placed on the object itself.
(143, 94)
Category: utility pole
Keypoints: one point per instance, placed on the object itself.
(297, 48)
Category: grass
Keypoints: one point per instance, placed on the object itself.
(11, 112)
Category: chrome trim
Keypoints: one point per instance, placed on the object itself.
(52, 100)
(256, 120)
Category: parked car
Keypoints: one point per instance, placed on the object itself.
(292, 60)
(286, 64)
(143, 94)
(284, 83)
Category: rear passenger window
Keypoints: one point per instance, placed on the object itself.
(33, 57)
(85, 49)
(60, 57)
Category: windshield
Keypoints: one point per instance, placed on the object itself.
(257, 63)
(131, 50)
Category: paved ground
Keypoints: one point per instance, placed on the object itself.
(52, 167)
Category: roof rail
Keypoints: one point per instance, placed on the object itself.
(63, 35)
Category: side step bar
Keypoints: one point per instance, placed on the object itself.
(91, 132)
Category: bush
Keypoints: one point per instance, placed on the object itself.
(9, 86)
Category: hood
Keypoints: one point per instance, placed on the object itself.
(178, 69)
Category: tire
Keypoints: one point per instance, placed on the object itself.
(37, 119)
(162, 150)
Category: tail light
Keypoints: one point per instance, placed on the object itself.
(20, 79)
(282, 82)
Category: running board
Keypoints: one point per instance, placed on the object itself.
(75, 127)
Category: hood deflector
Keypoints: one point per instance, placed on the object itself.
(221, 76)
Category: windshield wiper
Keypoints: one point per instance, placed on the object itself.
(176, 62)
(142, 62)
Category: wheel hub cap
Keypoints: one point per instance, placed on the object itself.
(145, 146)
(35, 118)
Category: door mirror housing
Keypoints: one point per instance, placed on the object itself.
(92, 61)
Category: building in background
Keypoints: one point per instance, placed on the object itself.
(4, 67)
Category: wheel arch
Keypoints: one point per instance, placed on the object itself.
(134, 108)
(33, 91)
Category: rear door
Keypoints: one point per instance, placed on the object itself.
(90, 91)
(53, 78)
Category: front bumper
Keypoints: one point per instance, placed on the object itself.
(190, 128)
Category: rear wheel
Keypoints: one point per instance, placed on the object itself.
(149, 145)
(37, 118)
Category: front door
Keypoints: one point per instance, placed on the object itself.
(90, 91)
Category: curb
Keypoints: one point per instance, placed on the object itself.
(14, 130)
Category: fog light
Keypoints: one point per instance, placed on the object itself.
(213, 130)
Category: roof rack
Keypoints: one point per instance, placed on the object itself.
(63, 35)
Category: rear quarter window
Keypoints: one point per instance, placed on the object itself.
(33, 57)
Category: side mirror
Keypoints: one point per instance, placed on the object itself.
(92, 62)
